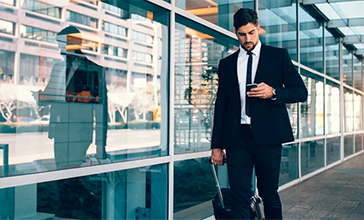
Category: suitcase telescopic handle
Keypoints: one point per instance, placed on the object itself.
(217, 184)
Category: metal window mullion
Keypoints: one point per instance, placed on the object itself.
(324, 89)
(299, 105)
(22, 180)
(171, 88)
(342, 117)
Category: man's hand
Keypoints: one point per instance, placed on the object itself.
(262, 91)
(217, 156)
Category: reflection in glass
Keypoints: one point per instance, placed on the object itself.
(127, 194)
(312, 156)
(85, 99)
(215, 11)
(41, 7)
(292, 110)
(347, 67)
(332, 93)
(357, 74)
(278, 19)
(332, 56)
(358, 101)
(81, 19)
(8, 2)
(193, 189)
(332, 150)
(289, 164)
(348, 145)
(312, 111)
(6, 75)
(358, 142)
(197, 56)
(310, 41)
(348, 110)
(37, 34)
(6, 27)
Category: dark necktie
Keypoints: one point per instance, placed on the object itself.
(248, 81)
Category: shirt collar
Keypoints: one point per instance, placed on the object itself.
(255, 51)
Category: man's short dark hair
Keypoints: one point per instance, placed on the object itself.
(244, 16)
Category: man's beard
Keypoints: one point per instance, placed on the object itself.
(243, 46)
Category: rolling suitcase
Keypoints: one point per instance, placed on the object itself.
(222, 201)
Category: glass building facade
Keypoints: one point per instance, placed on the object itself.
(111, 117)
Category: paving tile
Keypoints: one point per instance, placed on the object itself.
(337, 193)
(299, 212)
(337, 215)
(316, 214)
(346, 206)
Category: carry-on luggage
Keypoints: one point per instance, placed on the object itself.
(222, 201)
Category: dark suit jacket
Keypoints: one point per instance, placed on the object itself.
(270, 123)
(87, 86)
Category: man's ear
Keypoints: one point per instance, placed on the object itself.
(261, 31)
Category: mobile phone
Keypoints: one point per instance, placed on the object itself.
(250, 86)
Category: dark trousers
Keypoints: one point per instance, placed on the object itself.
(266, 160)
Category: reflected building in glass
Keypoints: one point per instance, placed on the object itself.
(106, 106)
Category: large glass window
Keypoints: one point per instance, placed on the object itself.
(37, 34)
(8, 2)
(114, 51)
(129, 194)
(332, 56)
(347, 67)
(41, 7)
(6, 27)
(35, 70)
(289, 164)
(193, 189)
(358, 142)
(114, 29)
(81, 19)
(357, 74)
(332, 94)
(6, 70)
(311, 42)
(312, 111)
(312, 156)
(292, 110)
(197, 56)
(348, 110)
(215, 11)
(348, 145)
(76, 106)
(333, 150)
(278, 19)
(358, 100)
(136, 35)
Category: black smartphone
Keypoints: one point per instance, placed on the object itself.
(250, 86)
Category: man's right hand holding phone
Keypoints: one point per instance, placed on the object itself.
(261, 90)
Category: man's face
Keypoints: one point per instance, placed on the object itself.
(248, 35)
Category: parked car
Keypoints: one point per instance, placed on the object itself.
(43, 120)
(23, 119)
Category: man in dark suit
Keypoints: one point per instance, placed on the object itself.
(77, 94)
(251, 126)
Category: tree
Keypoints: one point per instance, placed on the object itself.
(144, 100)
(6, 109)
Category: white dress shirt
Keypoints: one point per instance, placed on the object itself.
(242, 65)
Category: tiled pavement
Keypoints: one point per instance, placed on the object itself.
(337, 193)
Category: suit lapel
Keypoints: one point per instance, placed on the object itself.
(263, 63)
(235, 81)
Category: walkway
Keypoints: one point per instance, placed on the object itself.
(337, 193)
